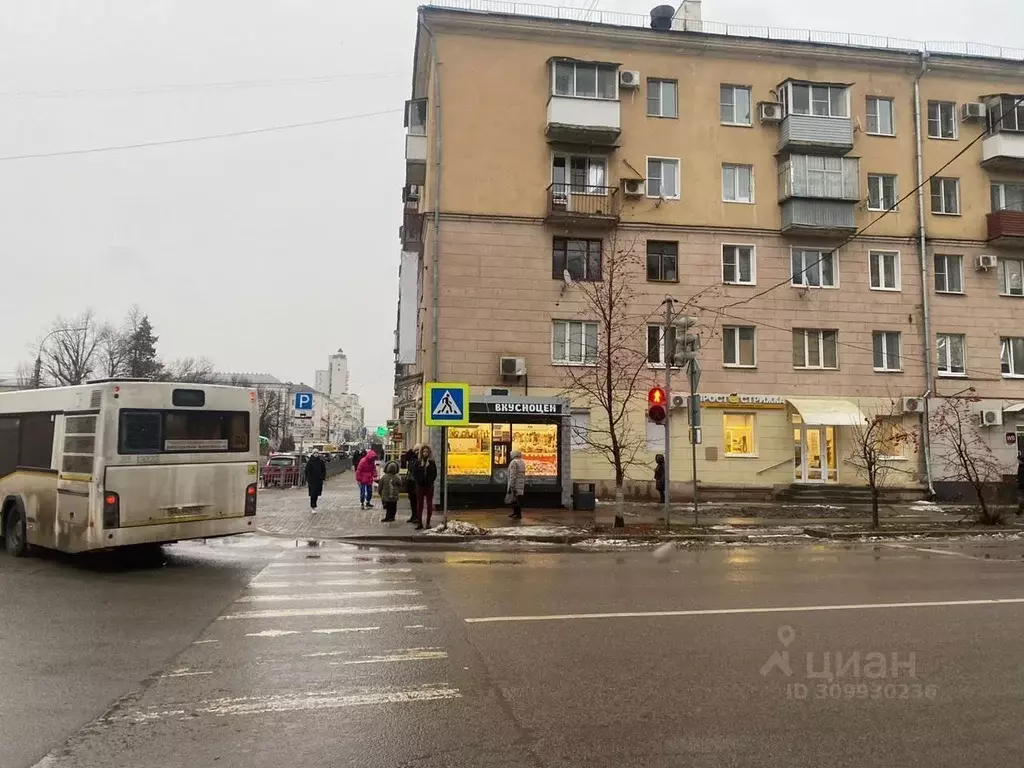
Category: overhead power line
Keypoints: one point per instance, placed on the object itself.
(188, 139)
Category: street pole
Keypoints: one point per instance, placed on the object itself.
(444, 478)
(668, 354)
(694, 426)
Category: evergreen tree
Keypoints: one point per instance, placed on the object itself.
(142, 359)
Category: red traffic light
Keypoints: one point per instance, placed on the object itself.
(656, 396)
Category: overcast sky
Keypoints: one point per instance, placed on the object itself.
(262, 252)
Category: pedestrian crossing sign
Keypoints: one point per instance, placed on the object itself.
(445, 404)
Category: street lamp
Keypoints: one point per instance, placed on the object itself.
(37, 375)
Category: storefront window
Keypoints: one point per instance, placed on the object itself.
(739, 434)
(539, 444)
(469, 451)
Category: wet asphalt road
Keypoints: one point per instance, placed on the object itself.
(258, 652)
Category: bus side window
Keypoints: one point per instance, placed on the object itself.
(8, 445)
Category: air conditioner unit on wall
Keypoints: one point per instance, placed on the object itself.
(990, 417)
(633, 187)
(629, 78)
(987, 261)
(972, 110)
(678, 401)
(770, 112)
(512, 366)
(913, 404)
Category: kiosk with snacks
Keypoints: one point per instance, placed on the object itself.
(479, 452)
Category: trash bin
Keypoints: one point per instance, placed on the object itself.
(584, 496)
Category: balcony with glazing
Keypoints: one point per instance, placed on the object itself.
(583, 106)
(1003, 148)
(819, 194)
(816, 118)
(416, 141)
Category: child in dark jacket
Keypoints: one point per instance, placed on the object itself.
(390, 490)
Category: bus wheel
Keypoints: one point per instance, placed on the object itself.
(15, 540)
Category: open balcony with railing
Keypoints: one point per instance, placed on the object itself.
(1002, 149)
(819, 195)
(583, 205)
(1006, 228)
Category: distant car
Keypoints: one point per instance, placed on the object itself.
(283, 469)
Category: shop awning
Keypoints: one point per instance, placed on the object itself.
(1015, 408)
(827, 411)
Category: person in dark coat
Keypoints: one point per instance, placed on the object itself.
(412, 458)
(316, 473)
(659, 476)
(426, 475)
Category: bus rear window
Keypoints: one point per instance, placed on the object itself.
(183, 432)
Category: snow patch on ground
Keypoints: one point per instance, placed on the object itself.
(457, 528)
(611, 544)
(516, 531)
(826, 507)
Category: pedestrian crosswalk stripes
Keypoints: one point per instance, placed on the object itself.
(312, 596)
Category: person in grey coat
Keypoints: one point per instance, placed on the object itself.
(517, 483)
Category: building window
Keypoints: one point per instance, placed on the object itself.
(881, 192)
(580, 258)
(942, 119)
(1012, 355)
(662, 261)
(813, 268)
(656, 347)
(580, 421)
(734, 105)
(738, 346)
(1011, 277)
(581, 174)
(574, 342)
(814, 348)
(886, 346)
(738, 265)
(663, 178)
(585, 80)
(1008, 197)
(737, 183)
(951, 355)
(661, 98)
(949, 273)
(880, 116)
(1006, 113)
(833, 178)
(946, 196)
(818, 100)
(884, 267)
(738, 434)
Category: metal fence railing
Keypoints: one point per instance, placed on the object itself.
(616, 18)
(582, 200)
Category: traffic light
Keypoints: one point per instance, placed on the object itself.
(656, 405)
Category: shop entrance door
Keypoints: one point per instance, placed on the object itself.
(814, 454)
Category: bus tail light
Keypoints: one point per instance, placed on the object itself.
(250, 500)
(111, 510)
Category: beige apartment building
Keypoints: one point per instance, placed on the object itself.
(768, 186)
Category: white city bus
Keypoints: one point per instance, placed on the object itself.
(119, 463)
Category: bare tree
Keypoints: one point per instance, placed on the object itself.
(965, 456)
(872, 447)
(69, 355)
(24, 375)
(269, 401)
(113, 351)
(190, 370)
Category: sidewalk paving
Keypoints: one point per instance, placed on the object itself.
(286, 513)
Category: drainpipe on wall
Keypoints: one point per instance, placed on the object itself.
(435, 299)
(926, 440)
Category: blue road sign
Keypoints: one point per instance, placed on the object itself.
(446, 404)
(303, 401)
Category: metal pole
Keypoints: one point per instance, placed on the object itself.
(694, 409)
(668, 354)
(37, 376)
(444, 478)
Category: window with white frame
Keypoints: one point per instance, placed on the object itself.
(942, 119)
(1011, 277)
(835, 178)
(884, 269)
(951, 354)
(1007, 197)
(663, 177)
(580, 422)
(585, 80)
(881, 192)
(949, 273)
(945, 196)
(886, 347)
(880, 116)
(1012, 354)
(662, 98)
(815, 348)
(738, 346)
(817, 99)
(813, 268)
(1006, 113)
(737, 183)
(738, 265)
(573, 342)
(579, 174)
(657, 349)
(734, 105)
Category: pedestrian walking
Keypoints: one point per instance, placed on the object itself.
(659, 476)
(516, 484)
(316, 473)
(412, 458)
(390, 491)
(425, 473)
(366, 473)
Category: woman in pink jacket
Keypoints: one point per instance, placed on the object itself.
(366, 473)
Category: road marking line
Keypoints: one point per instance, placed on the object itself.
(424, 655)
(272, 633)
(286, 632)
(414, 626)
(325, 583)
(202, 642)
(729, 611)
(310, 573)
(186, 672)
(294, 702)
(345, 611)
(344, 629)
(945, 552)
(327, 596)
(391, 655)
